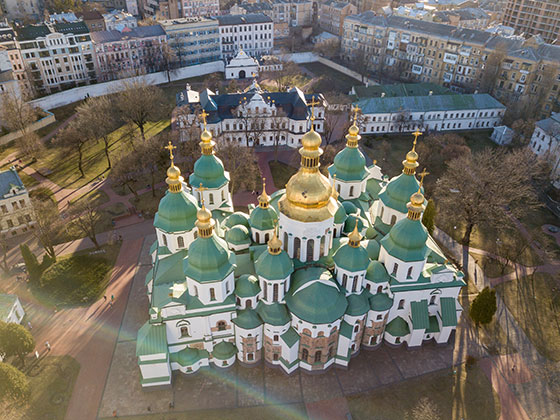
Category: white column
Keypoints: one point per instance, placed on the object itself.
(317, 249)
(303, 251)
(291, 246)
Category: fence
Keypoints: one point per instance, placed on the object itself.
(43, 122)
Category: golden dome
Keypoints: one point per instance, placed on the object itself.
(353, 130)
(204, 222)
(264, 199)
(204, 215)
(354, 238)
(206, 135)
(173, 173)
(275, 244)
(417, 199)
(174, 178)
(311, 140)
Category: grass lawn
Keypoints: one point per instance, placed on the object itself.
(147, 204)
(491, 267)
(269, 412)
(97, 197)
(535, 302)
(52, 382)
(79, 278)
(281, 173)
(534, 222)
(466, 395)
(339, 82)
(27, 180)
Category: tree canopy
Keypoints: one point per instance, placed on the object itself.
(14, 385)
(15, 340)
(483, 307)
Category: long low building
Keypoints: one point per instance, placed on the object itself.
(431, 112)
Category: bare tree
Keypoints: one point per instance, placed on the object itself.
(492, 68)
(279, 127)
(241, 163)
(425, 409)
(283, 77)
(84, 215)
(252, 125)
(74, 138)
(140, 103)
(125, 172)
(361, 63)
(4, 248)
(328, 49)
(48, 225)
(151, 154)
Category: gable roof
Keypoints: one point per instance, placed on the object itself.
(8, 180)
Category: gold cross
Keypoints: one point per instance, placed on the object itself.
(200, 189)
(416, 134)
(356, 109)
(313, 103)
(170, 147)
(422, 175)
(203, 115)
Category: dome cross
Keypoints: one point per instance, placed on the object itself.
(416, 134)
(170, 147)
(422, 175)
(356, 110)
(203, 115)
(312, 104)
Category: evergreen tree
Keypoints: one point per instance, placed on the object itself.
(428, 219)
(31, 263)
(484, 307)
(15, 340)
(14, 386)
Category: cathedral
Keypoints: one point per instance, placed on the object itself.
(306, 279)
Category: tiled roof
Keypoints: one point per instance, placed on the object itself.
(29, 32)
(448, 312)
(71, 28)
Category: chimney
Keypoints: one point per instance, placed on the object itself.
(382, 94)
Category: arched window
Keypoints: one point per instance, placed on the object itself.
(265, 290)
(401, 304)
(357, 328)
(257, 238)
(334, 233)
(344, 279)
(248, 303)
(238, 301)
(368, 286)
(164, 238)
(351, 190)
(379, 289)
(382, 211)
(212, 294)
(318, 356)
(409, 273)
(338, 188)
(355, 284)
(310, 249)
(297, 247)
(184, 328)
(395, 268)
(221, 325)
(195, 290)
(210, 198)
(223, 195)
(286, 241)
(304, 355)
(433, 300)
(275, 337)
(180, 242)
(275, 356)
(266, 237)
(330, 354)
(393, 219)
(275, 292)
(353, 348)
(250, 356)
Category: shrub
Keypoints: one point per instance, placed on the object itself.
(484, 307)
(14, 386)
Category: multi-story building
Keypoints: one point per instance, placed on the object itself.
(253, 33)
(470, 17)
(56, 56)
(93, 20)
(8, 43)
(332, 14)
(8, 83)
(16, 210)
(373, 5)
(193, 40)
(545, 143)
(254, 117)
(123, 54)
(173, 9)
(535, 17)
(516, 71)
(117, 20)
(20, 9)
(132, 7)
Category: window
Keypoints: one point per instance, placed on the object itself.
(401, 304)
(275, 337)
(250, 357)
(275, 356)
(265, 290)
(318, 356)
(409, 273)
(379, 289)
(304, 355)
(344, 279)
(433, 300)
(275, 292)
(395, 268)
(210, 198)
(212, 294)
(393, 219)
(164, 240)
(397, 340)
(221, 325)
(355, 284)
(356, 328)
(351, 190)
(379, 317)
(180, 242)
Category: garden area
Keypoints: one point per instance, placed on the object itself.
(281, 173)
(461, 393)
(330, 80)
(51, 381)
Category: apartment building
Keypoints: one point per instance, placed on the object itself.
(16, 211)
(373, 5)
(117, 20)
(8, 83)
(20, 9)
(253, 33)
(56, 56)
(132, 52)
(173, 9)
(192, 40)
(9, 44)
(332, 14)
(470, 17)
(524, 72)
(93, 20)
(545, 143)
(534, 17)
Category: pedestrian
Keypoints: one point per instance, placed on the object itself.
(48, 345)
(112, 298)
(110, 303)
(105, 298)
(29, 325)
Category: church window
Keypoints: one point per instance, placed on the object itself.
(372, 339)
(322, 245)
(275, 292)
(238, 302)
(212, 294)
(227, 286)
(381, 214)
(355, 284)
(344, 279)
(248, 304)
(265, 290)
(393, 219)
(330, 354)
(379, 317)
(334, 233)
(195, 290)
(338, 188)
(310, 249)
(257, 237)
(195, 234)
(395, 268)
(368, 286)
(285, 241)
(351, 190)
(397, 340)
(221, 325)
(180, 242)
(250, 357)
(275, 337)
(353, 348)
(223, 195)
(297, 247)
(266, 237)
(185, 331)
(379, 289)
(357, 328)
(409, 273)
(210, 198)
(433, 300)
(164, 240)
(304, 355)
(318, 356)
(275, 356)
(401, 304)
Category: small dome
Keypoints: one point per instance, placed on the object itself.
(349, 165)
(204, 215)
(238, 235)
(407, 241)
(357, 304)
(177, 212)
(208, 259)
(340, 215)
(372, 248)
(206, 136)
(263, 218)
(351, 258)
(274, 266)
(311, 140)
(173, 172)
(208, 171)
(370, 233)
(351, 223)
(376, 272)
(349, 207)
(237, 218)
(353, 130)
(398, 192)
(417, 199)
(247, 286)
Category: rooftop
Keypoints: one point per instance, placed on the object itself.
(243, 19)
(8, 180)
(139, 32)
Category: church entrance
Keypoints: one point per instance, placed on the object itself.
(242, 74)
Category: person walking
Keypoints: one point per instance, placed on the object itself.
(48, 345)
(104, 298)
(29, 325)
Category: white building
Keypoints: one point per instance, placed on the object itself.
(21, 9)
(117, 20)
(16, 211)
(432, 112)
(8, 83)
(502, 135)
(8, 43)
(253, 33)
(242, 66)
(11, 309)
(253, 117)
(545, 143)
(57, 56)
(132, 7)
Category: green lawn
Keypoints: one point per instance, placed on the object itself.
(492, 267)
(535, 302)
(79, 278)
(337, 81)
(534, 222)
(268, 412)
(281, 173)
(147, 204)
(27, 180)
(466, 395)
(52, 381)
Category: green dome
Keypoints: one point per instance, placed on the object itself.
(350, 207)
(208, 171)
(238, 235)
(188, 356)
(224, 350)
(247, 319)
(176, 212)
(208, 260)
(351, 222)
(349, 165)
(407, 241)
(263, 219)
(357, 304)
(351, 259)
(237, 218)
(370, 233)
(247, 286)
(380, 302)
(274, 314)
(373, 249)
(340, 215)
(398, 191)
(376, 272)
(274, 267)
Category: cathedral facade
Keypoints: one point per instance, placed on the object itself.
(305, 279)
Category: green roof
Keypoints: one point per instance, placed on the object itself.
(346, 329)
(373, 186)
(176, 212)
(376, 272)
(419, 314)
(434, 325)
(350, 208)
(188, 356)
(168, 269)
(340, 215)
(247, 286)
(371, 233)
(407, 241)
(154, 247)
(237, 218)
(247, 319)
(209, 260)
(448, 312)
(151, 339)
(398, 327)
(400, 89)
(398, 192)
(274, 267)
(238, 235)
(349, 165)
(381, 227)
(208, 171)
(320, 302)
(290, 337)
(357, 304)
(30, 32)
(372, 248)
(274, 313)
(224, 350)
(380, 302)
(350, 223)
(263, 219)
(7, 302)
(351, 258)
